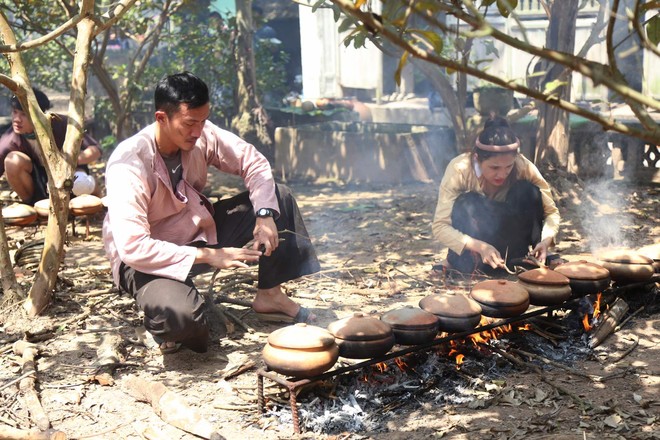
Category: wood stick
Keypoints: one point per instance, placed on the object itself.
(237, 371)
(170, 407)
(238, 302)
(611, 318)
(628, 350)
(628, 318)
(547, 361)
(29, 352)
(7, 432)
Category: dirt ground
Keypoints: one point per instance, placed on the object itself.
(375, 246)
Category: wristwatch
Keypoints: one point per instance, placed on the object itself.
(265, 212)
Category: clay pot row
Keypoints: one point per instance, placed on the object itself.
(20, 214)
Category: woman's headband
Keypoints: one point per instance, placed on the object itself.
(499, 148)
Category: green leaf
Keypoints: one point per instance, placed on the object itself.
(554, 85)
(506, 6)
(431, 37)
(653, 29)
(402, 63)
(345, 25)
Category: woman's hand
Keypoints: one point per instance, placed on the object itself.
(489, 255)
(540, 251)
(265, 233)
(224, 258)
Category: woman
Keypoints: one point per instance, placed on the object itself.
(494, 203)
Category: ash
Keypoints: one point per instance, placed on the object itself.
(364, 399)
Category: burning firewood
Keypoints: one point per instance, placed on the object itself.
(610, 320)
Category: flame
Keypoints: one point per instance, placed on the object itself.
(401, 364)
(381, 366)
(597, 307)
(585, 323)
(459, 360)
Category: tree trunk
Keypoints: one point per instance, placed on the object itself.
(60, 171)
(11, 291)
(553, 133)
(251, 123)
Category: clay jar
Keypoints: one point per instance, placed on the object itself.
(653, 252)
(585, 278)
(627, 266)
(85, 204)
(19, 214)
(300, 351)
(545, 287)
(456, 313)
(411, 326)
(500, 298)
(362, 337)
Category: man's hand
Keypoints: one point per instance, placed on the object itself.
(540, 251)
(489, 255)
(224, 258)
(265, 233)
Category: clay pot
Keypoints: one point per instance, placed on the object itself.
(653, 252)
(362, 337)
(85, 204)
(545, 287)
(42, 207)
(627, 266)
(585, 278)
(19, 214)
(500, 298)
(300, 351)
(411, 326)
(456, 313)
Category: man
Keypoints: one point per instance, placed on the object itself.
(161, 230)
(19, 153)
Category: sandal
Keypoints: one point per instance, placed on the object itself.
(304, 315)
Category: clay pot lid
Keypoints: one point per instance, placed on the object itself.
(583, 270)
(451, 306)
(301, 336)
(625, 256)
(360, 328)
(652, 251)
(42, 207)
(85, 201)
(499, 293)
(544, 276)
(409, 318)
(18, 211)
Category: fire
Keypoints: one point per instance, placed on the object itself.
(459, 360)
(381, 366)
(401, 364)
(586, 323)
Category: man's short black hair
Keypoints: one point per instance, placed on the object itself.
(180, 88)
(42, 99)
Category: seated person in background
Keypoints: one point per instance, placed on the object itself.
(19, 153)
(160, 230)
(494, 202)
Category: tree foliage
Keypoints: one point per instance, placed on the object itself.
(417, 27)
(155, 38)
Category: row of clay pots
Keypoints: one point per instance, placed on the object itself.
(19, 214)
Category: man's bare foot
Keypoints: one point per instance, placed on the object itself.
(273, 300)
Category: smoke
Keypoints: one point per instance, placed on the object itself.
(606, 222)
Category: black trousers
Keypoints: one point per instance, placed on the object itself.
(176, 311)
(510, 226)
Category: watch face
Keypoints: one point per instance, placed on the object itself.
(264, 212)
